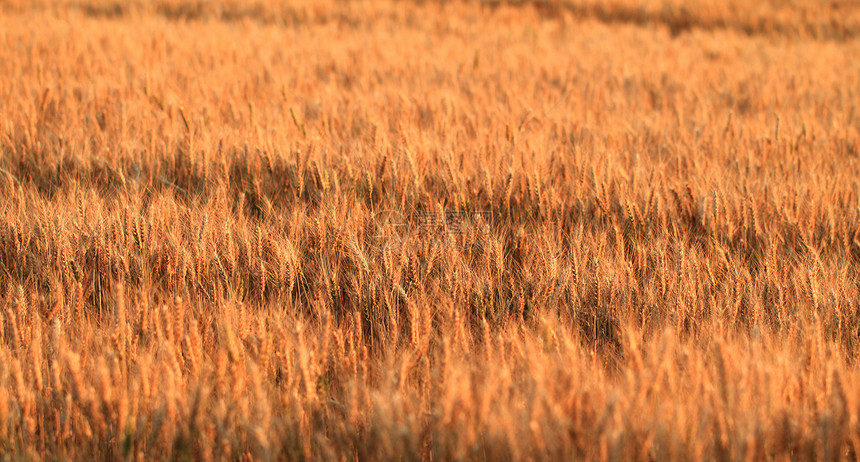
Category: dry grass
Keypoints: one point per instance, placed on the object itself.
(199, 261)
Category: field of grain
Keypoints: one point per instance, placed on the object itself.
(401, 230)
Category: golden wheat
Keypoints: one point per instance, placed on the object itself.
(246, 230)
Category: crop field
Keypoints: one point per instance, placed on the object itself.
(406, 230)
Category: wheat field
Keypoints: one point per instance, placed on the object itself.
(401, 230)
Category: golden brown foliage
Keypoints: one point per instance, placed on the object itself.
(239, 230)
